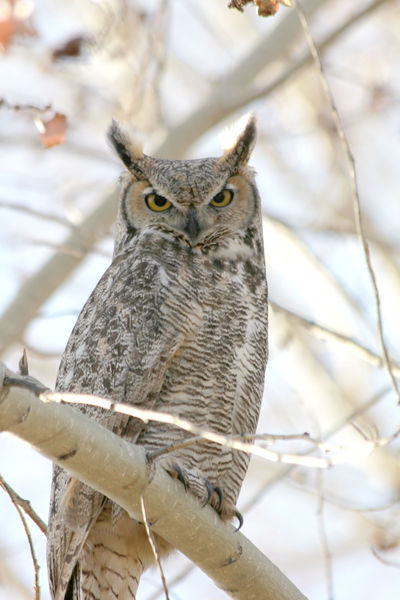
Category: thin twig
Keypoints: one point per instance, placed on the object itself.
(269, 439)
(11, 495)
(24, 504)
(23, 107)
(176, 579)
(346, 454)
(339, 501)
(324, 537)
(354, 191)
(153, 547)
(75, 251)
(35, 213)
(158, 50)
(325, 333)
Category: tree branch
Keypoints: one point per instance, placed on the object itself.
(24, 504)
(37, 289)
(120, 471)
(324, 333)
(243, 442)
(35, 563)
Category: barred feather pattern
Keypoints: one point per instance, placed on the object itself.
(178, 323)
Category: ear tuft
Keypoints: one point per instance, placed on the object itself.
(129, 150)
(239, 140)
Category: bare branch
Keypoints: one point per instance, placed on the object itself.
(11, 495)
(324, 536)
(25, 107)
(177, 579)
(154, 548)
(24, 504)
(324, 333)
(38, 288)
(19, 207)
(345, 453)
(80, 252)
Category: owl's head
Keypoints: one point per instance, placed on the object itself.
(202, 202)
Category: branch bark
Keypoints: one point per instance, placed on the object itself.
(120, 471)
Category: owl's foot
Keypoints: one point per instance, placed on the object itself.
(214, 494)
(225, 509)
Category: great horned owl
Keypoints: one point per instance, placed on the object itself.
(177, 323)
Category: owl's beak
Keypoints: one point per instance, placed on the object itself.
(192, 226)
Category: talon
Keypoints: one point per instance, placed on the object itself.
(239, 518)
(209, 492)
(150, 456)
(219, 493)
(181, 476)
(153, 454)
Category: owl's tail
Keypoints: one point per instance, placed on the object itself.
(111, 576)
(116, 553)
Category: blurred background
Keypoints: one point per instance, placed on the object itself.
(177, 72)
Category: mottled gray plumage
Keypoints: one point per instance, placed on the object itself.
(177, 323)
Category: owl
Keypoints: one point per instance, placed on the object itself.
(178, 323)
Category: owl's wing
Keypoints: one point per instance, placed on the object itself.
(127, 333)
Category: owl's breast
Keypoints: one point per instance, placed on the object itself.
(222, 358)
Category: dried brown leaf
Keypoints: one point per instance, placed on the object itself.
(266, 8)
(52, 131)
(72, 48)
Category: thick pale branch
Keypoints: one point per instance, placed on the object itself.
(120, 471)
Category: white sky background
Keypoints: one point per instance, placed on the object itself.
(314, 262)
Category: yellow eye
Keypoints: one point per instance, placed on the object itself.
(222, 199)
(157, 203)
